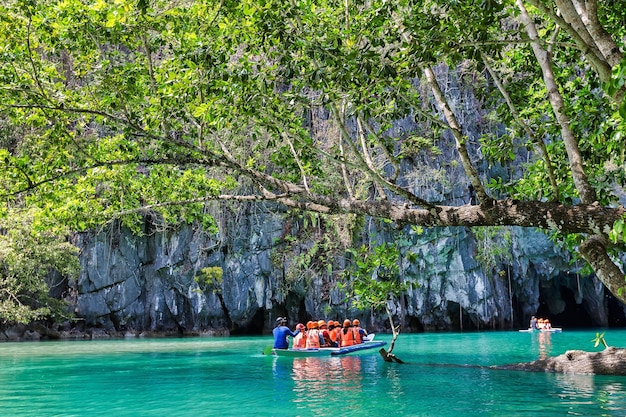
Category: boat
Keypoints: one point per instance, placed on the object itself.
(551, 330)
(328, 351)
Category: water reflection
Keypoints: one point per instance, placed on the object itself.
(395, 390)
(314, 376)
(545, 344)
(316, 380)
(591, 390)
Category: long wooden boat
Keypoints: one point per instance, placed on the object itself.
(303, 353)
(552, 330)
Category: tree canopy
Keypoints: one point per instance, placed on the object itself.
(114, 109)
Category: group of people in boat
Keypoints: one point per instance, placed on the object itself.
(319, 334)
(540, 324)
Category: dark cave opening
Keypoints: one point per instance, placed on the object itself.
(254, 328)
(573, 316)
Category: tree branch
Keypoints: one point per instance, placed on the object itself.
(586, 192)
(375, 175)
(583, 42)
(531, 135)
(457, 132)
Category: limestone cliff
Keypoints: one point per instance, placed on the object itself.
(147, 283)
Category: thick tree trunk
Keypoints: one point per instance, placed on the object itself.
(582, 218)
(594, 251)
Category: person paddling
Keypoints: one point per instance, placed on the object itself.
(281, 332)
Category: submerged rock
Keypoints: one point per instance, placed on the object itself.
(610, 361)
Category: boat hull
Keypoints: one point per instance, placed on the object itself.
(304, 353)
(552, 330)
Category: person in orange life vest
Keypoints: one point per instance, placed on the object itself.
(281, 332)
(334, 333)
(299, 342)
(331, 331)
(328, 342)
(347, 335)
(313, 336)
(360, 333)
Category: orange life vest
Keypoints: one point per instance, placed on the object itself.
(334, 334)
(357, 335)
(300, 340)
(313, 339)
(347, 337)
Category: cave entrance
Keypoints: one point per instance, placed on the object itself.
(459, 319)
(574, 316)
(254, 327)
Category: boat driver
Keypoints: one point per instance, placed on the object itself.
(281, 332)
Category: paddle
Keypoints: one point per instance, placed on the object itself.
(268, 350)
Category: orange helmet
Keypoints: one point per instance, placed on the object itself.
(309, 324)
(314, 325)
(356, 322)
(321, 323)
(346, 323)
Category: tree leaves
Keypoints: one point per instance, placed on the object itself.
(117, 110)
(27, 257)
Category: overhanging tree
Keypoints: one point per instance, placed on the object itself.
(111, 110)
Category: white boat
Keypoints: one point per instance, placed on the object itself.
(551, 330)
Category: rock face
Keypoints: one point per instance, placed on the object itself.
(134, 284)
(610, 361)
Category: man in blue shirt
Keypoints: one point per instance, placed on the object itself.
(281, 331)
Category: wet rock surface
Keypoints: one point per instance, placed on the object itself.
(610, 361)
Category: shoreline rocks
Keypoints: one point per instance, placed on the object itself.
(21, 333)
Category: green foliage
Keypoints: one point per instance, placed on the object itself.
(118, 109)
(599, 339)
(618, 232)
(617, 82)
(27, 257)
(493, 246)
(373, 278)
(210, 279)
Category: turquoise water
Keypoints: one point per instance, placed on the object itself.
(445, 375)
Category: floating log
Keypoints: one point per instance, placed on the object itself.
(610, 361)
